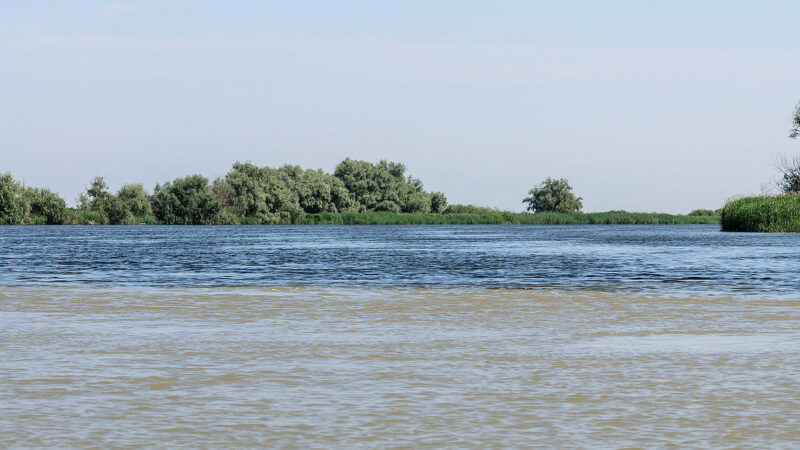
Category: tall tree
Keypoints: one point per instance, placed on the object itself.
(553, 195)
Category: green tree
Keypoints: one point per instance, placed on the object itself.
(46, 204)
(107, 207)
(259, 192)
(98, 194)
(13, 207)
(553, 195)
(369, 185)
(315, 190)
(135, 199)
(383, 186)
(438, 203)
(186, 201)
(795, 130)
(117, 210)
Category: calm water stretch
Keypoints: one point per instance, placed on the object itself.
(372, 336)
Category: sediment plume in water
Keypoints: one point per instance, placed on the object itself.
(306, 366)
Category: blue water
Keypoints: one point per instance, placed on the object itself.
(693, 259)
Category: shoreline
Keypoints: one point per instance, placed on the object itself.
(485, 218)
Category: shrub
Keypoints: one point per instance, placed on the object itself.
(135, 199)
(48, 206)
(85, 217)
(13, 207)
(467, 209)
(703, 212)
(387, 206)
(438, 202)
(186, 201)
(117, 211)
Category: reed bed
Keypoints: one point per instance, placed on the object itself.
(766, 214)
(504, 217)
(482, 217)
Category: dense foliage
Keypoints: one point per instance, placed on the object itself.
(264, 195)
(553, 195)
(385, 187)
(704, 212)
(795, 130)
(186, 201)
(135, 200)
(25, 205)
(779, 213)
(358, 192)
(14, 208)
(45, 207)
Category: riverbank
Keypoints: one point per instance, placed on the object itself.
(766, 214)
(504, 218)
(486, 217)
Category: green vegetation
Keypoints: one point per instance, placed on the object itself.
(187, 201)
(45, 207)
(14, 209)
(358, 192)
(705, 212)
(385, 187)
(553, 196)
(503, 217)
(789, 168)
(772, 214)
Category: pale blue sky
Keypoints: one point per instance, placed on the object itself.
(645, 106)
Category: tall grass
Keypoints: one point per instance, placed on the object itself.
(481, 216)
(769, 214)
(503, 217)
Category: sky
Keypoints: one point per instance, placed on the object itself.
(642, 106)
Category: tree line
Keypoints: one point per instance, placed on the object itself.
(246, 194)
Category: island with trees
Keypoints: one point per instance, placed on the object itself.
(357, 192)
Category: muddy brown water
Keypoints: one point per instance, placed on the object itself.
(87, 366)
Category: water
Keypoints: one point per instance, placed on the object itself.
(693, 259)
(398, 336)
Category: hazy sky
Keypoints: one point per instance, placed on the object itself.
(646, 106)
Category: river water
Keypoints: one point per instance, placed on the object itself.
(468, 336)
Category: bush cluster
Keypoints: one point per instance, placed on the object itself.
(247, 194)
(25, 205)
